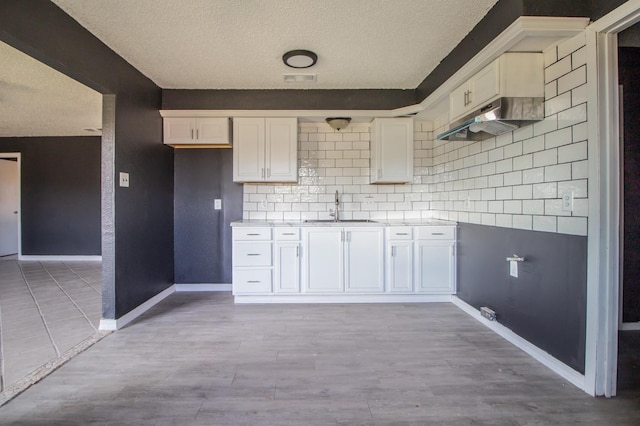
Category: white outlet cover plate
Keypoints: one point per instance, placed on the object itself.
(124, 180)
(217, 204)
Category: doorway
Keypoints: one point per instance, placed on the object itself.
(9, 204)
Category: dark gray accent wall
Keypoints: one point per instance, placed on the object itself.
(629, 70)
(287, 99)
(202, 234)
(137, 221)
(60, 194)
(546, 304)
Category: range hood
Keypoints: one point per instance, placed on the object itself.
(495, 118)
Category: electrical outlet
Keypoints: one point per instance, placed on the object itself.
(217, 204)
(467, 203)
(567, 202)
(124, 180)
(368, 203)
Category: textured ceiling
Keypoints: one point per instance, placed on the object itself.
(238, 44)
(36, 100)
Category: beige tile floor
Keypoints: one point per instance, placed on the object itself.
(46, 308)
(196, 358)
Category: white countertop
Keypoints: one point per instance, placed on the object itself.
(383, 222)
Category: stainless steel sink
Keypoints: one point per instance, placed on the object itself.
(340, 221)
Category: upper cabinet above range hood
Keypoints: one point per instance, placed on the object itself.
(502, 96)
(495, 118)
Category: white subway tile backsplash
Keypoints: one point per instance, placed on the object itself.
(579, 188)
(572, 116)
(545, 190)
(513, 178)
(544, 223)
(533, 175)
(557, 173)
(534, 144)
(513, 206)
(522, 192)
(569, 46)
(545, 158)
(533, 207)
(572, 225)
(579, 95)
(557, 104)
(574, 152)
(547, 125)
(522, 222)
(557, 70)
(575, 78)
(580, 169)
(557, 138)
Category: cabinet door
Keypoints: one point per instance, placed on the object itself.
(458, 102)
(400, 266)
(435, 266)
(248, 150)
(364, 265)
(281, 150)
(323, 260)
(212, 130)
(252, 281)
(178, 130)
(485, 85)
(288, 267)
(393, 146)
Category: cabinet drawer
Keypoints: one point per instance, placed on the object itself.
(436, 232)
(399, 233)
(287, 234)
(258, 254)
(252, 281)
(252, 234)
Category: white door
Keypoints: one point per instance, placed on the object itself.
(281, 150)
(248, 149)
(435, 266)
(400, 266)
(364, 260)
(9, 206)
(288, 267)
(323, 254)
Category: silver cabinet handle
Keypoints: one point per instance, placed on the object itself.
(342, 236)
(254, 282)
(197, 133)
(288, 233)
(469, 98)
(437, 233)
(191, 133)
(253, 235)
(268, 172)
(262, 172)
(297, 251)
(401, 233)
(253, 254)
(349, 236)
(393, 251)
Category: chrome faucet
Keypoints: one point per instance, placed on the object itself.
(334, 213)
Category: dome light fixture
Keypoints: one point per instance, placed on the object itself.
(338, 122)
(300, 58)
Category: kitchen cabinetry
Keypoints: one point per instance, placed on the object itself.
(344, 260)
(252, 261)
(512, 74)
(399, 259)
(336, 262)
(435, 260)
(265, 149)
(287, 262)
(392, 150)
(196, 131)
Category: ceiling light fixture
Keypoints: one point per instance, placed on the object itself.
(338, 122)
(299, 58)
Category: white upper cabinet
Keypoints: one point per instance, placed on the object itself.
(512, 74)
(392, 150)
(196, 131)
(265, 149)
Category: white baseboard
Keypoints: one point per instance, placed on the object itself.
(117, 324)
(342, 298)
(630, 326)
(62, 258)
(560, 368)
(203, 287)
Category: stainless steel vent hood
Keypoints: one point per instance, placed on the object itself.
(498, 117)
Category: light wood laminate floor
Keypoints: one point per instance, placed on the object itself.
(196, 358)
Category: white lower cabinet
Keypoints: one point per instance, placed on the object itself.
(324, 260)
(435, 266)
(363, 264)
(287, 264)
(348, 261)
(344, 260)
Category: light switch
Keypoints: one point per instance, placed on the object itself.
(124, 180)
(217, 204)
